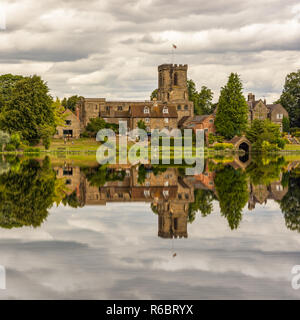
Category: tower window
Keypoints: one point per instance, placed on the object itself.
(186, 107)
(175, 79)
(179, 107)
(160, 80)
(165, 110)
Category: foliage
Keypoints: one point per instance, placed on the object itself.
(7, 83)
(28, 109)
(70, 103)
(290, 97)
(71, 200)
(285, 124)
(202, 100)
(26, 194)
(4, 139)
(141, 125)
(290, 204)
(203, 202)
(212, 138)
(10, 147)
(263, 171)
(232, 192)
(97, 177)
(232, 111)
(97, 124)
(265, 136)
(142, 172)
(223, 146)
(154, 94)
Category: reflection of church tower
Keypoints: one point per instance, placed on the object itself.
(171, 224)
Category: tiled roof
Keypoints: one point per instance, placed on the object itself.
(154, 112)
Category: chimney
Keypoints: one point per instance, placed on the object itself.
(251, 97)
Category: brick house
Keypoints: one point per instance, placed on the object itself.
(71, 128)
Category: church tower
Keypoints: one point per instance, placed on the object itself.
(172, 88)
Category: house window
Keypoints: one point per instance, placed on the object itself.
(186, 107)
(120, 108)
(279, 116)
(165, 110)
(279, 187)
(107, 108)
(68, 122)
(166, 120)
(96, 107)
(146, 110)
(179, 107)
(211, 121)
(147, 120)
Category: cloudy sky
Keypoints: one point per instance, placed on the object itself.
(111, 48)
(113, 252)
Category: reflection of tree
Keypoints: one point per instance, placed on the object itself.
(97, 177)
(203, 203)
(290, 204)
(71, 200)
(142, 174)
(26, 194)
(232, 190)
(263, 171)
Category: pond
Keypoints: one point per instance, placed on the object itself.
(73, 229)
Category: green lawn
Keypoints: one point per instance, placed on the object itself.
(292, 147)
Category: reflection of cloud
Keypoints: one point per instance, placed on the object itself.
(113, 251)
(111, 48)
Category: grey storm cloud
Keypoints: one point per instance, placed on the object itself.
(111, 48)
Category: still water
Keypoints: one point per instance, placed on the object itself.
(73, 229)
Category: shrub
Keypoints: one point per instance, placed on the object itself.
(15, 140)
(10, 147)
(223, 146)
(32, 150)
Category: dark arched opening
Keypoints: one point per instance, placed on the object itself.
(175, 79)
(245, 147)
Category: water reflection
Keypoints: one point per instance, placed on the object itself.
(30, 187)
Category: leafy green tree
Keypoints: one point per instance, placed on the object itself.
(28, 109)
(72, 200)
(262, 131)
(286, 124)
(142, 172)
(154, 94)
(7, 83)
(232, 192)
(141, 125)
(232, 112)
(97, 177)
(70, 103)
(290, 204)
(26, 194)
(205, 105)
(203, 203)
(95, 125)
(290, 97)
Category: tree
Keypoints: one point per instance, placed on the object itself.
(232, 191)
(70, 103)
(290, 204)
(154, 94)
(141, 125)
(232, 112)
(28, 109)
(286, 124)
(265, 132)
(26, 194)
(205, 105)
(95, 125)
(7, 83)
(290, 98)
(203, 203)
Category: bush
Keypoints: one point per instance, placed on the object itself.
(212, 138)
(223, 146)
(32, 150)
(15, 140)
(10, 147)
